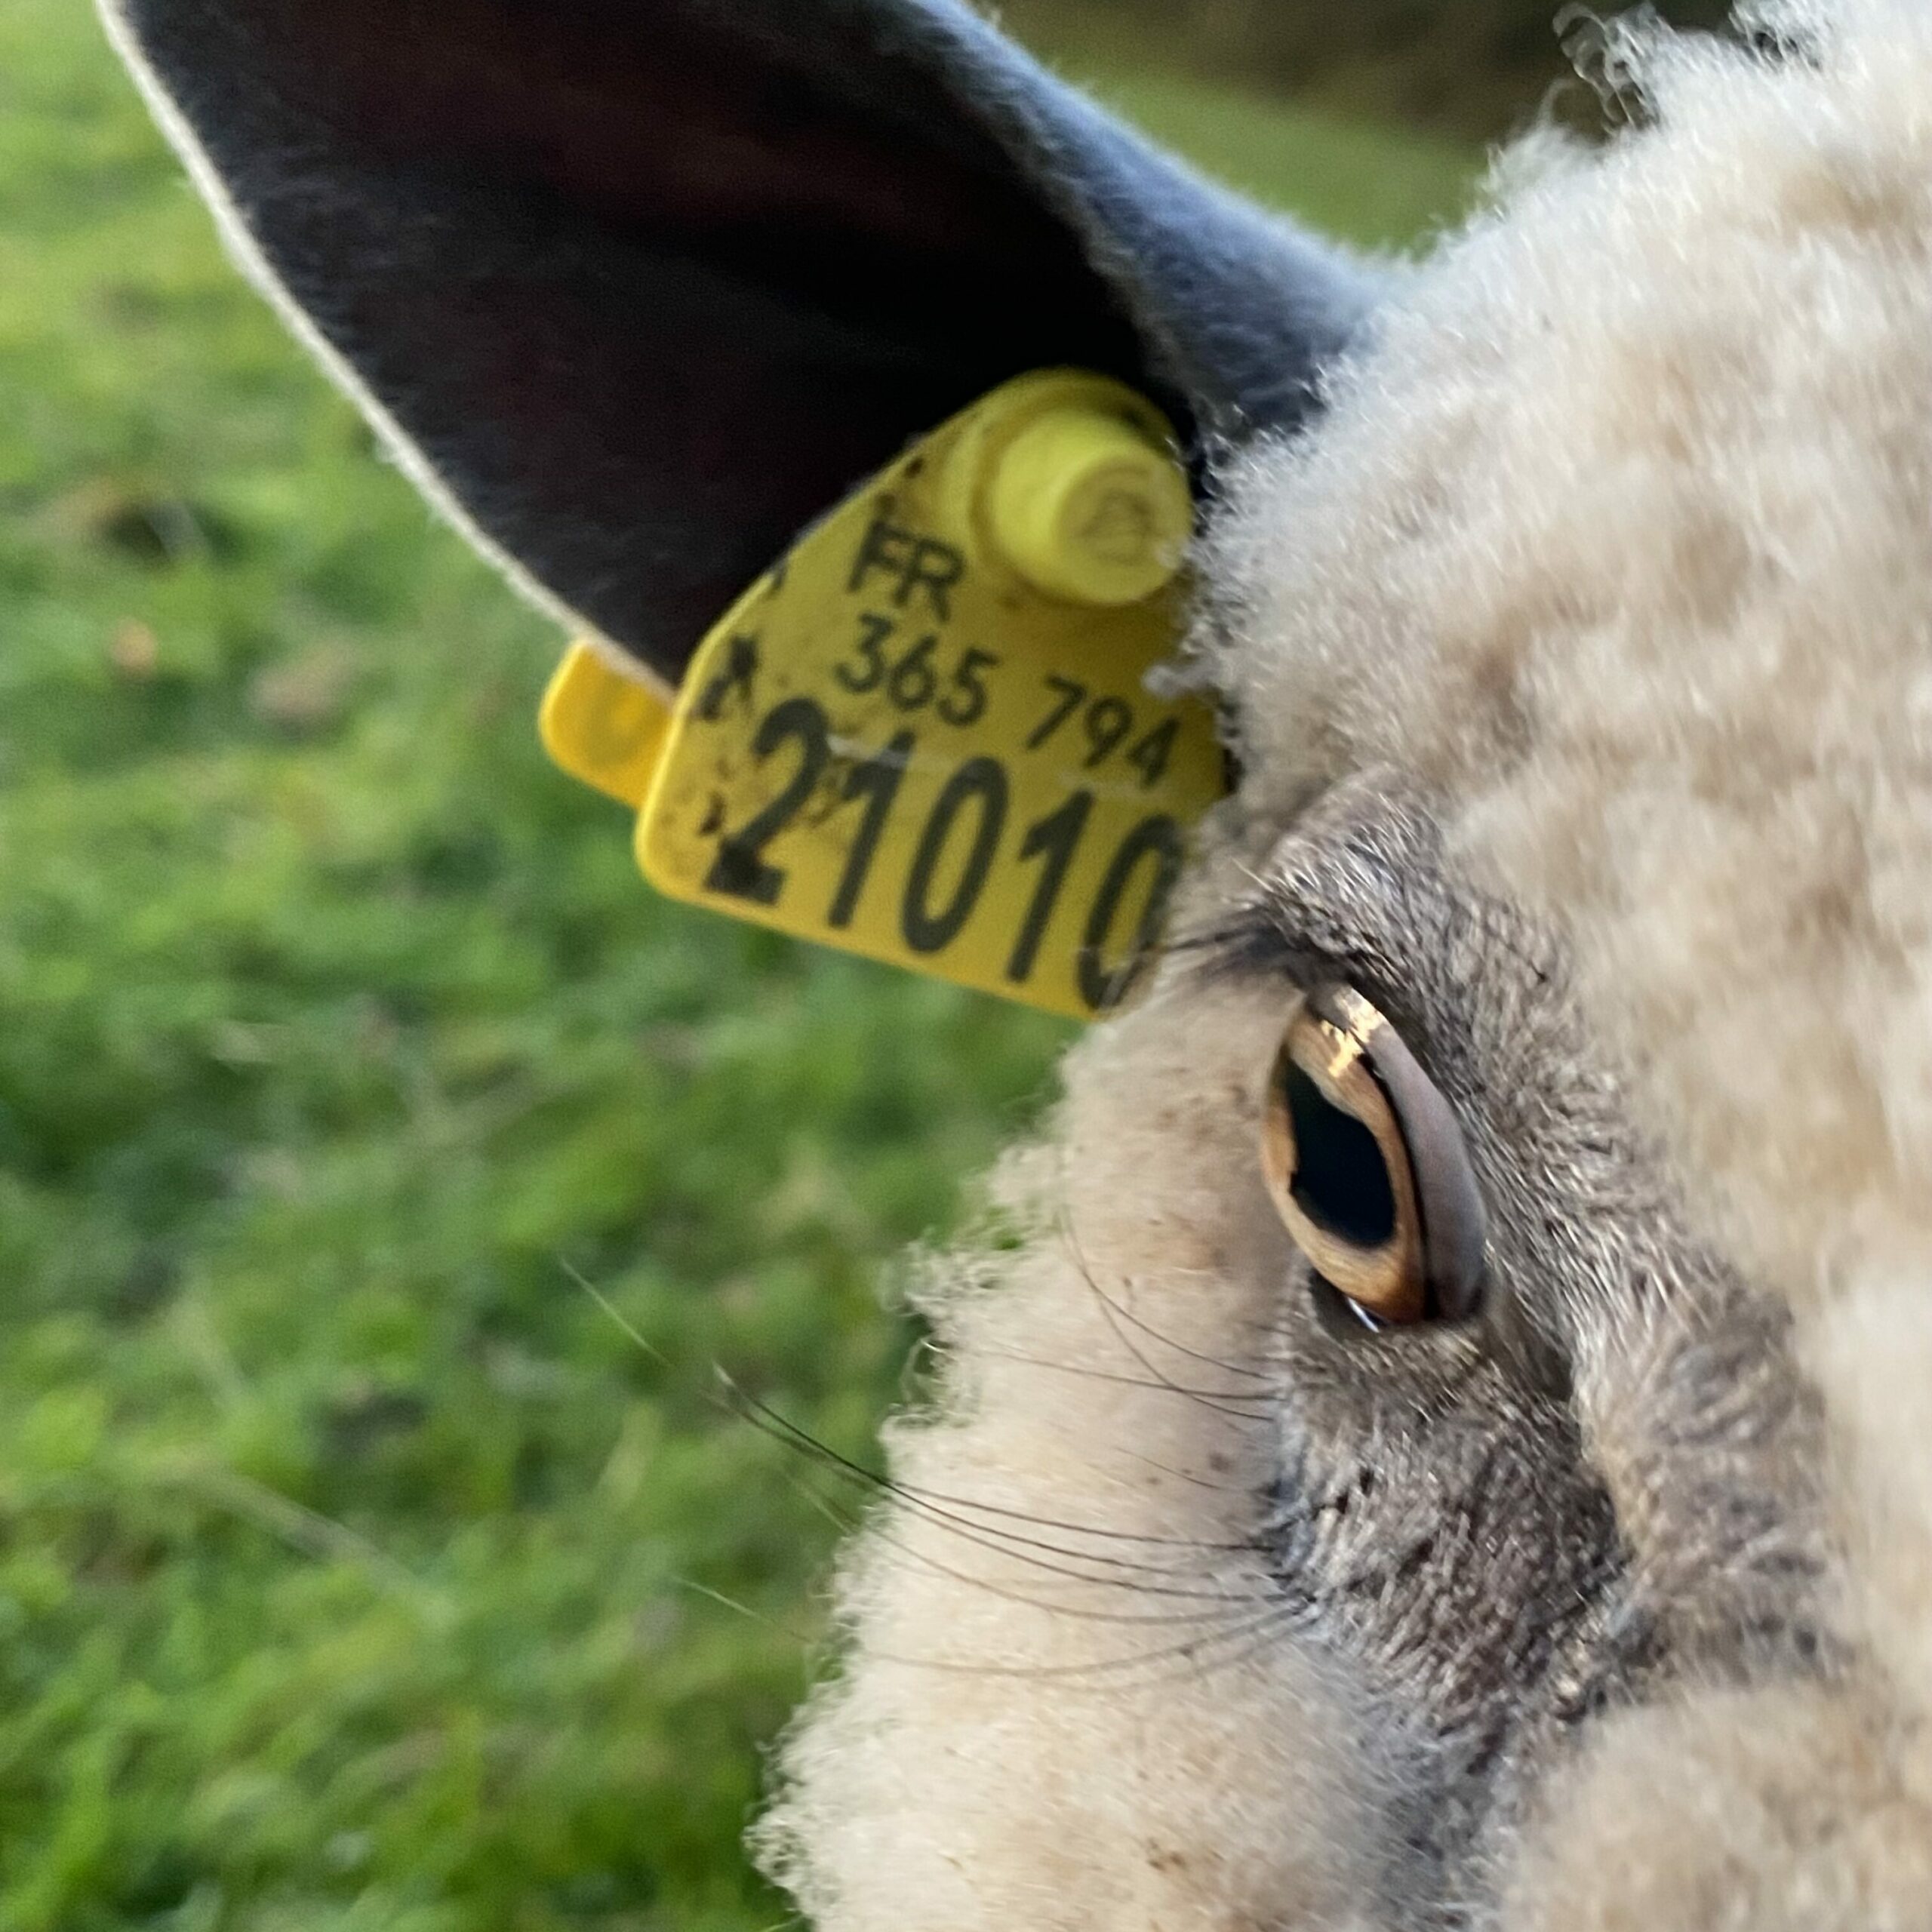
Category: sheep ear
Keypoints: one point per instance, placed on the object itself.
(639, 287)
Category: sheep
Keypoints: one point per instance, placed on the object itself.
(1428, 1440)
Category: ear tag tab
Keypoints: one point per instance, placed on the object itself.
(605, 726)
(924, 736)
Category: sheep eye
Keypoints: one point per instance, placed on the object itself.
(1366, 1166)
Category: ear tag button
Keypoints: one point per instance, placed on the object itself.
(1087, 509)
(925, 736)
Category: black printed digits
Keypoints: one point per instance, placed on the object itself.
(913, 677)
(1106, 723)
(954, 856)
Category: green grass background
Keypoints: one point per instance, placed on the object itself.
(351, 1556)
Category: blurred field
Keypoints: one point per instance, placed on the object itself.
(347, 1548)
(1472, 69)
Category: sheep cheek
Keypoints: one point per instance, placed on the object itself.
(1079, 1790)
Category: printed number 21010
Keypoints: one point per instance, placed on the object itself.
(971, 810)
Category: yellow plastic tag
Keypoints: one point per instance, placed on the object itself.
(925, 736)
(603, 725)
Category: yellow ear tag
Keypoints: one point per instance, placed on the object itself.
(924, 736)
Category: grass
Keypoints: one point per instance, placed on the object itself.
(350, 1555)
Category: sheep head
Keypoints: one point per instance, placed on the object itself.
(1431, 1443)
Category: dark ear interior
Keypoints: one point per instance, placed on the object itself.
(646, 285)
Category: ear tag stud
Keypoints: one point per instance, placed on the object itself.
(924, 735)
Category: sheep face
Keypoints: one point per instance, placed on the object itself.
(1552, 992)
(1209, 1601)
(1503, 1523)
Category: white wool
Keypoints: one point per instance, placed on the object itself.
(1018, 1742)
(1622, 539)
(1619, 537)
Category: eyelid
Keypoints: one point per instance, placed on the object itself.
(1447, 1200)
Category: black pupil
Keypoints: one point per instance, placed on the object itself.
(1340, 1181)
